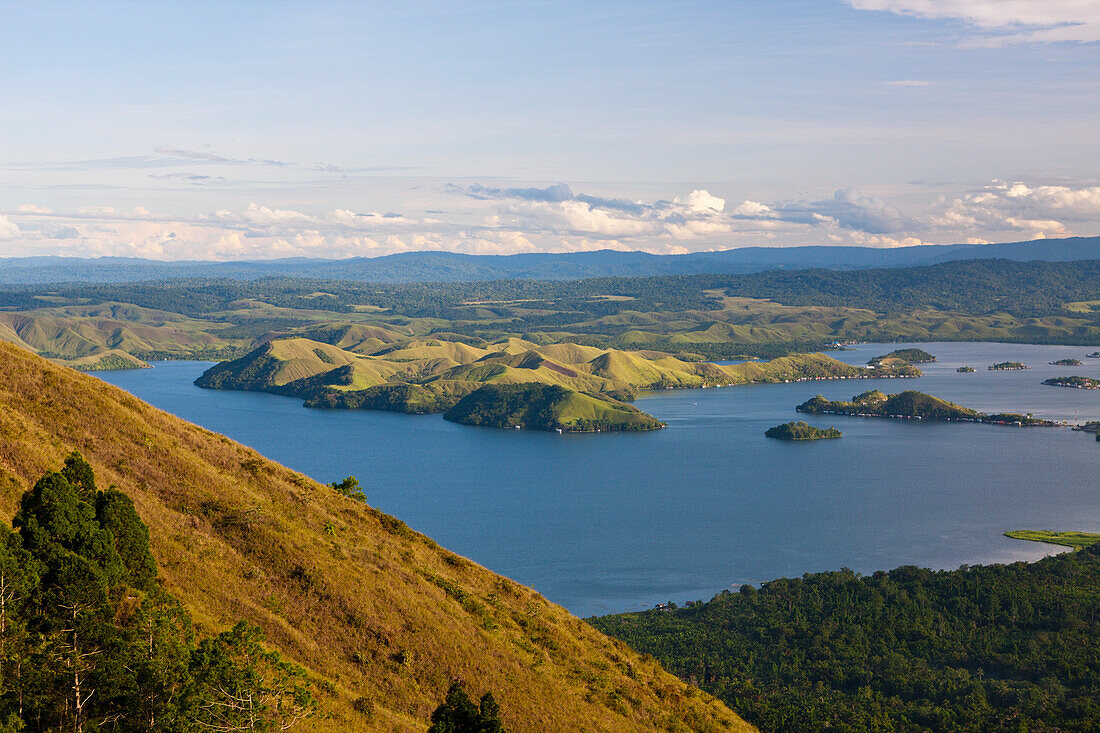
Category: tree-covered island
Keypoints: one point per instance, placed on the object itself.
(800, 431)
(1073, 382)
(912, 405)
(966, 369)
(910, 356)
(1065, 362)
(1007, 366)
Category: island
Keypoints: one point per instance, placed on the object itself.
(966, 369)
(800, 431)
(911, 356)
(364, 368)
(1094, 355)
(1065, 362)
(548, 407)
(1007, 366)
(912, 405)
(1073, 382)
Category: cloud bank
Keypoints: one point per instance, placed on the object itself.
(555, 218)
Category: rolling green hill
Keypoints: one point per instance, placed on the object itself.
(424, 375)
(381, 617)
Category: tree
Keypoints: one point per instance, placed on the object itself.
(350, 488)
(115, 513)
(458, 714)
(237, 685)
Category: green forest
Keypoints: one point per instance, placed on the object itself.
(987, 648)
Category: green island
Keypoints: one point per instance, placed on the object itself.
(912, 356)
(800, 431)
(1073, 382)
(1007, 366)
(1065, 362)
(548, 407)
(1076, 540)
(912, 405)
(983, 648)
(966, 369)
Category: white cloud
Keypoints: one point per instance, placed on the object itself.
(8, 228)
(701, 201)
(1010, 20)
(1038, 210)
(555, 219)
(33, 209)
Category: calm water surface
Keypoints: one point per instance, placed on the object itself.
(612, 522)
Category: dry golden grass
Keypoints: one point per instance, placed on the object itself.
(374, 611)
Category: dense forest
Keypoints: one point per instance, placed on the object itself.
(993, 648)
(90, 641)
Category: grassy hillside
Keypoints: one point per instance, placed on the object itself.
(382, 617)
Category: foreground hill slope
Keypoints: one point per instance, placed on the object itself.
(383, 618)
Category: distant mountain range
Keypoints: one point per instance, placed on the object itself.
(452, 267)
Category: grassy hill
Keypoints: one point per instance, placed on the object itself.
(382, 617)
(432, 375)
(547, 407)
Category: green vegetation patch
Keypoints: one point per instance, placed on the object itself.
(1076, 540)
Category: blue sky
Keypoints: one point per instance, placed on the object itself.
(266, 129)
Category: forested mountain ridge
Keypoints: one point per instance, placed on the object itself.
(381, 617)
(454, 267)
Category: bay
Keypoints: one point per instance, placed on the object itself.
(602, 523)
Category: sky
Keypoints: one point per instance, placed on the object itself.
(254, 130)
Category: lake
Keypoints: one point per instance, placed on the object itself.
(607, 522)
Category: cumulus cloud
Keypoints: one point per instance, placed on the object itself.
(1007, 20)
(557, 219)
(8, 228)
(1038, 210)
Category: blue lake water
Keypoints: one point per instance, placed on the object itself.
(611, 522)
